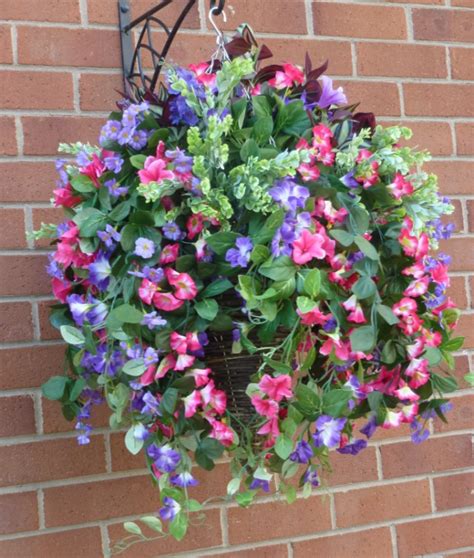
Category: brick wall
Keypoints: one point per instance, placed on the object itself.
(408, 60)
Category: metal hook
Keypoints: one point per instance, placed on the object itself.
(217, 11)
(219, 7)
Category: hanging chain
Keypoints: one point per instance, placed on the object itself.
(220, 52)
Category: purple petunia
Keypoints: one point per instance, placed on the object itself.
(329, 95)
(110, 131)
(354, 448)
(260, 483)
(349, 180)
(311, 476)
(183, 480)
(150, 356)
(240, 255)
(165, 458)
(153, 320)
(328, 431)
(144, 247)
(370, 428)
(151, 404)
(171, 231)
(303, 452)
(114, 188)
(138, 139)
(100, 271)
(114, 163)
(182, 162)
(289, 195)
(110, 236)
(170, 509)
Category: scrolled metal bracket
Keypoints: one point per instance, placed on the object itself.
(138, 81)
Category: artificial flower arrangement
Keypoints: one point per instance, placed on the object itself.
(250, 208)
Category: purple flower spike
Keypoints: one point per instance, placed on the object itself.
(328, 431)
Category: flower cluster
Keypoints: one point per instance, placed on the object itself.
(250, 205)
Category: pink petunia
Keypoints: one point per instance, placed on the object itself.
(400, 187)
(265, 407)
(200, 375)
(221, 432)
(215, 398)
(307, 247)
(405, 393)
(277, 387)
(404, 307)
(155, 171)
(169, 254)
(313, 317)
(194, 224)
(184, 361)
(185, 287)
(166, 302)
(167, 363)
(417, 287)
(191, 403)
(61, 288)
(147, 291)
(286, 78)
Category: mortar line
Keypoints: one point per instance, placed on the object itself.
(393, 537)
(14, 38)
(41, 514)
(309, 18)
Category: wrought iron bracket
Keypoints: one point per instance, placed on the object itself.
(138, 81)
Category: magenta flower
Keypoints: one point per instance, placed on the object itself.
(155, 171)
(276, 388)
(307, 247)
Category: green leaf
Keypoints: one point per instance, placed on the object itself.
(216, 288)
(469, 378)
(262, 129)
(152, 522)
(389, 352)
(193, 505)
(169, 400)
(364, 288)
(77, 389)
(127, 314)
(244, 499)
(312, 283)
(82, 183)
(366, 247)
(207, 309)
(134, 367)
(249, 149)
(89, 221)
(453, 344)
(283, 446)
(279, 269)
(259, 254)
(120, 211)
(138, 161)
(375, 399)
(128, 236)
(239, 110)
(292, 119)
(343, 237)
(221, 242)
(141, 217)
(305, 304)
(307, 399)
(387, 314)
(207, 452)
(444, 384)
(233, 486)
(133, 444)
(261, 106)
(72, 335)
(335, 401)
(267, 232)
(54, 388)
(359, 219)
(363, 339)
(433, 355)
(132, 527)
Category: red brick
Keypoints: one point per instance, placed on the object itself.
(268, 16)
(43, 134)
(465, 138)
(455, 491)
(461, 417)
(23, 182)
(470, 214)
(461, 63)
(30, 366)
(100, 500)
(36, 90)
(18, 512)
(52, 46)
(433, 136)
(16, 323)
(456, 217)
(5, 45)
(7, 136)
(436, 454)
(381, 59)
(23, 275)
(368, 505)
(274, 551)
(373, 543)
(47, 331)
(103, 11)
(461, 368)
(351, 20)
(438, 99)
(17, 416)
(462, 252)
(87, 543)
(47, 215)
(64, 11)
(12, 229)
(457, 291)
(203, 533)
(417, 1)
(51, 459)
(463, 554)
(344, 472)
(294, 50)
(443, 25)
(454, 177)
(122, 459)
(380, 98)
(465, 328)
(99, 91)
(463, 3)
(435, 535)
(54, 421)
(278, 520)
